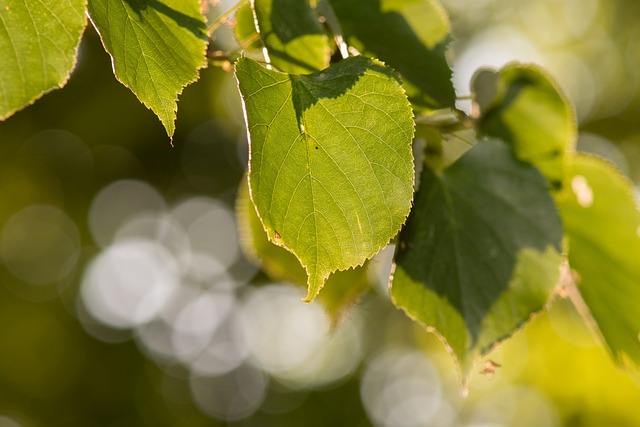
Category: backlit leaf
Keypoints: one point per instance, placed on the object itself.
(523, 105)
(343, 288)
(331, 168)
(156, 46)
(38, 47)
(294, 39)
(245, 29)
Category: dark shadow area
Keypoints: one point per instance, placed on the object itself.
(491, 123)
(291, 20)
(333, 82)
(193, 25)
(364, 23)
(462, 240)
(283, 23)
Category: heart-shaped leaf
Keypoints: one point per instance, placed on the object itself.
(331, 167)
(480, 252)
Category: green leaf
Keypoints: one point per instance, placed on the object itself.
(290, 30)
(38, 46)
(523, 105)
(157, 48)
(331, 168)
(409, 35)
(602, 223)
(343, 288)
(480, 251)
(245, 29)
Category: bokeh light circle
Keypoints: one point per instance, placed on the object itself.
(129, 283)
(232, 396)
(119, 202)
(40, 244)
(401, 388)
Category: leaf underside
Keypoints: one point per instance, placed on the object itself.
(331, 167)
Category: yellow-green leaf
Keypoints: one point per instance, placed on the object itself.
(157, 48)
(343, 288)
(522, 104)
(38, 47)
(291, 32)
(602, 223)
(331, 167)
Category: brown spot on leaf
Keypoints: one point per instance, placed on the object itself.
(489, 368)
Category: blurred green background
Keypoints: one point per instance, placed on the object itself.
(125, 299)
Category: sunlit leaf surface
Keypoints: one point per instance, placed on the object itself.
(38, 43)
(331, 169)
(343, 288)
(157, 48)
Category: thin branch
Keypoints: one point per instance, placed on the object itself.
(225, 16)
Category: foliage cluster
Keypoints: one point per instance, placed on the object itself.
(356, 141)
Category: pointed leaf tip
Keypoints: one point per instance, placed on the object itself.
(145, 40)
(342, 289)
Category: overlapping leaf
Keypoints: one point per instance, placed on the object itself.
(409, 35)
(602, 222)
(523, 105)
(245, 29)
(38, 44)
(343, 288)
(294, 39)
(331, 169)
(157, 48)
(480, 251)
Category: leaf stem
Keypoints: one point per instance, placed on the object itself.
(223, 17)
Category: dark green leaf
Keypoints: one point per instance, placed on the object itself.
(480, 251)
(38, 44)
(157, 48)
(409, 35)
(331, 169)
